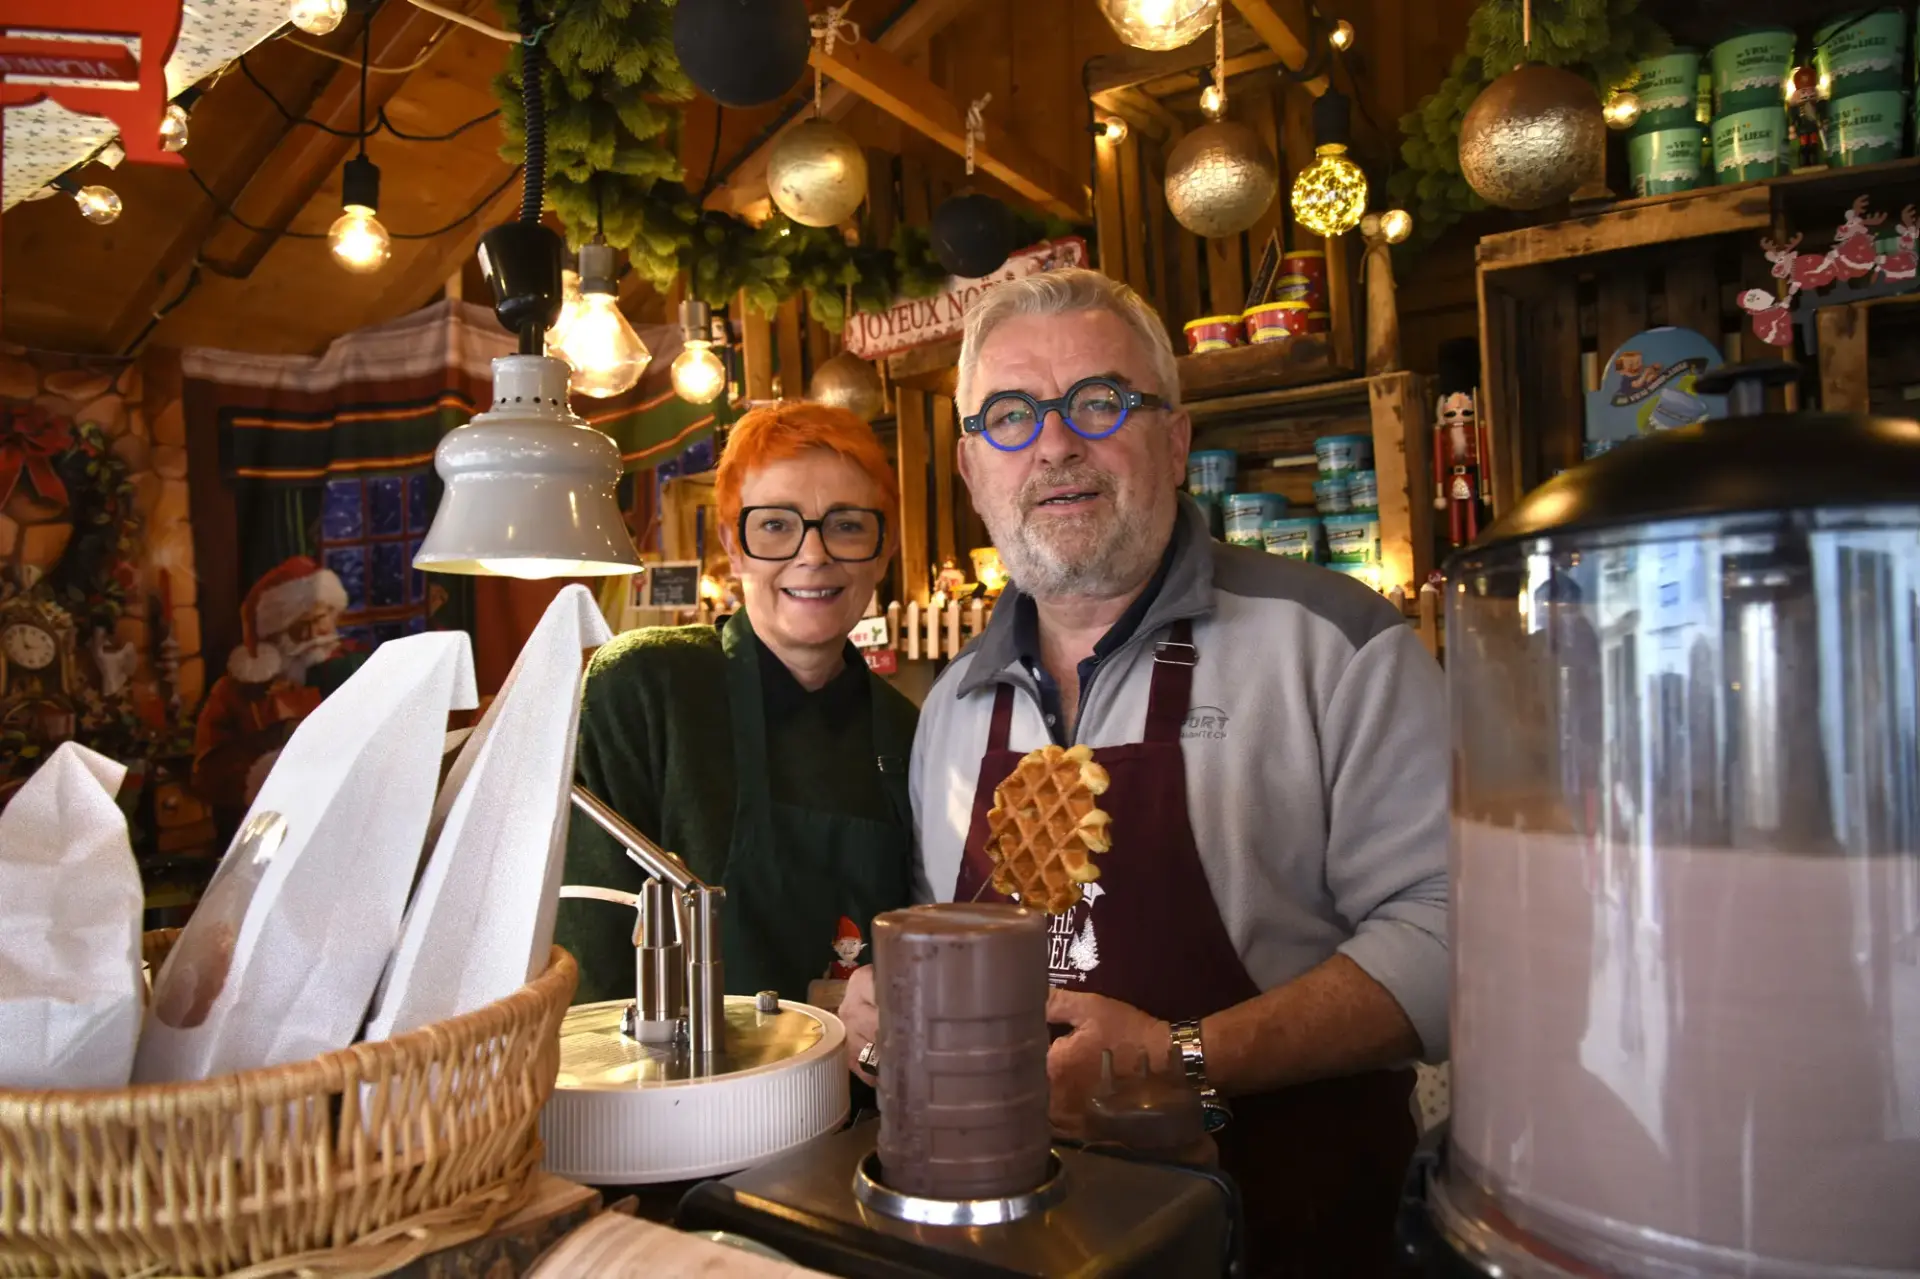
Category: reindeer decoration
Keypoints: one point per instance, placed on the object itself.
(1855, 257)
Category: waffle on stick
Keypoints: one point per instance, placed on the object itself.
(1045, 826)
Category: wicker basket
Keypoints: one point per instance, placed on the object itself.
(352, 1163)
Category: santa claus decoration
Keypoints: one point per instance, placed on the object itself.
(289, 629)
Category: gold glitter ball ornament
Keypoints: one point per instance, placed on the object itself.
(1160, 24)
(1220, 179)
(817, 174)
(1530, 138)
(1330, 195)
(848, 382)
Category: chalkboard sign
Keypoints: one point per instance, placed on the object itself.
(675, 585)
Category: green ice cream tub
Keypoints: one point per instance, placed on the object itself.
(1866, 128)
(1663, 161)
(1747, 145)
(1860, 52)
(1750, 70)
(1668, 89)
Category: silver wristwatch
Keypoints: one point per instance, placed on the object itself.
(1193, 1058)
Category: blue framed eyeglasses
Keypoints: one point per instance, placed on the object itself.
(1093, 408)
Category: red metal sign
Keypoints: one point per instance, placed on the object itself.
(916, 322)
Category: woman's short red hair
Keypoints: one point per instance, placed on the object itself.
(780, 431)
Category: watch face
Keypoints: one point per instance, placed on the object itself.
(28, 646)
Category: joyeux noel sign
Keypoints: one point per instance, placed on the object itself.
(916, 322)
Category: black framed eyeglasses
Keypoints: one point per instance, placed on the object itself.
(1093, 408)
(850, 534)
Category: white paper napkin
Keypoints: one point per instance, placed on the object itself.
(70, 910)
(356, 785)
(481, 920)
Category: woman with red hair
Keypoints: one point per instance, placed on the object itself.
(762, 751)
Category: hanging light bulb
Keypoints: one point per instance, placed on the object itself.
(1341, 37)
(98, 205)
(1330, 195)
(699, 376)
(358, 241)
(316, 17)
(1159, 24)
(1113, 130)
(1622, 110)
(606, 355)
(1212, 102)
(173, 128)
(1396, 225)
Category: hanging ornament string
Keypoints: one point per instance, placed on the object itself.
(976, 126)
(829, 28)
(1220, 62)
(1526, 28)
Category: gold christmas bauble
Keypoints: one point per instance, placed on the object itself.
(1529, 139)
(817, 174)
(849, 382)
(1220, 179)
(1160, 24)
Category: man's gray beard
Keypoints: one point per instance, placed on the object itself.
(1121, 558)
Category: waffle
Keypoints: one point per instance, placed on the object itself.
(1045, 826)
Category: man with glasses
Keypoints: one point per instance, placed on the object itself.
(1273, 908)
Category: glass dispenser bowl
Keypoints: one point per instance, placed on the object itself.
(1685, 699)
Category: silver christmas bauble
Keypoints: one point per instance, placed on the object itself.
(1220, 179)
(1531, 137)
(817, 175)
(849, 382)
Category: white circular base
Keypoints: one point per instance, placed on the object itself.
(663, 1130)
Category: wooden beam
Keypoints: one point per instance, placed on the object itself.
(1843, 359)
(1134, 67)
(909, 97)
(1281, 25)
(452, 250)
(1246, 64)
(910, 421)
(1658, 220)
(945, 435)
(789, 343)
(748, 182)
(1141, 113)
(1401, 441)
(756, 351)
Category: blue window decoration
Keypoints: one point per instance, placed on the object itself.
(371, 527)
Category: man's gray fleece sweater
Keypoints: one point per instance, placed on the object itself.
(1316, 759)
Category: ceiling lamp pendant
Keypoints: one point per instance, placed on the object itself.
(357, 240)
(316, 17)
(698, 374)
(1330, 195)
(1160, 24)
(530, 487)
(173, 128)
(606, 355)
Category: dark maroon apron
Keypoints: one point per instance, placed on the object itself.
(1319, 1165)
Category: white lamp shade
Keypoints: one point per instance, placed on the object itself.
(529, 486)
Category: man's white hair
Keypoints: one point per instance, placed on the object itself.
(1064, 292)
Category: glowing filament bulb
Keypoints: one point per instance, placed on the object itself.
(607, 356)
(1341, 37)
(1330, 195)
(358, 241)
(173, 128)
(698, 374)
(98, 205)
(316, 17)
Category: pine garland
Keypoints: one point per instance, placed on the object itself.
(615, 90)
(1598, 39)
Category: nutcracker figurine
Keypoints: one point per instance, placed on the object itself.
(1459, 443)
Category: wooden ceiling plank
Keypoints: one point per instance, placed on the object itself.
(1281, 25)
(1141, 112)
(1189, 82)
(747, 185)
(909, 97)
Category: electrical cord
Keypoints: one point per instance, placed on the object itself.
(713, 156)
(226, 210)
(433, 47)
(382, 122)
(287, 115)
(161, 313)
(533, 101)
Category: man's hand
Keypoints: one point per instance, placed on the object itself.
(862, 1018)
(1073, 1062)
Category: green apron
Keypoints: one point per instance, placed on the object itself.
(793, 872)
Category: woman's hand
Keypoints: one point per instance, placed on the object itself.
(862, 1018)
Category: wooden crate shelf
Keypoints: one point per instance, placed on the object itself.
(1556, 300)
(1296, 361)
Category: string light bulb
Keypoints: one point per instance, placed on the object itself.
(1622, 110)
(597, 342)
(1396, 225)
(357, 240)
(1341, 37)
(173, 128)
(1160, 24)
(98, 205)
(316, 17)
(698, 374)
(1113, 130)
(1213, 103)
(1330, 195)
(569, 307)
